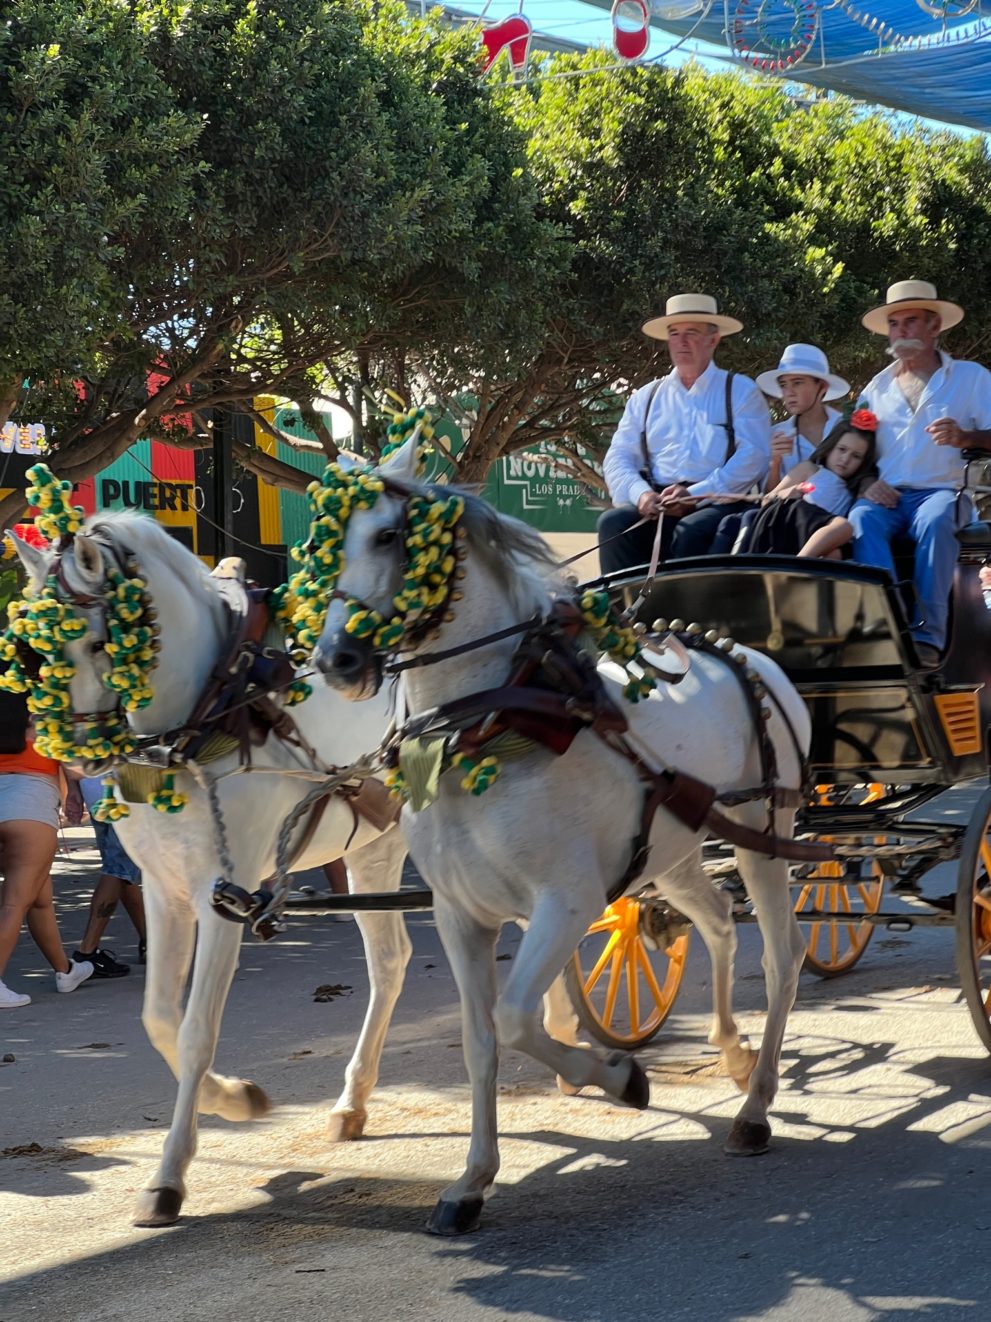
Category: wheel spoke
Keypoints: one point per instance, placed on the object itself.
(986, 855)
(633, 986)
(601, 963)
(982, 900)
(612, 989)
(648, 975)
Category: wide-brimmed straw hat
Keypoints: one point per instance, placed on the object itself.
(690, 307)
(911, 294)
(803, 360)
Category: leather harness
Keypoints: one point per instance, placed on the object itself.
(554, 691)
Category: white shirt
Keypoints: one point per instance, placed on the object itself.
(686, 438)
(829, 492)
(907, 455)
(802, 448)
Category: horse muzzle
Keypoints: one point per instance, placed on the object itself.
(350, 665)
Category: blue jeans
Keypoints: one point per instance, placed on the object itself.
(929, 519)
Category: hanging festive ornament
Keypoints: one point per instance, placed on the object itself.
(672, 10)
(630, 28)
(512, 35)
(948, 8)
(774, 35)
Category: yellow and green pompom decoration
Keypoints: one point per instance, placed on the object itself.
(481, 773)
(109, 808)
(57, 516)
(618, 641)
(41, 622)
(168, 798)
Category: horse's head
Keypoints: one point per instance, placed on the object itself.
(374, 559)
(78, 583)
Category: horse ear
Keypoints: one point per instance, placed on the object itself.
(89, 561)
(33, 558)
(403, 463)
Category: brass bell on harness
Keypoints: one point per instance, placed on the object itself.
(712, 636)
(726, 644)
(639, 629)
(741, 658)
(694, 630)
(677, 626)
(659, 626)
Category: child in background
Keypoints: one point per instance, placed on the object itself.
(803, 382)
(805, 515)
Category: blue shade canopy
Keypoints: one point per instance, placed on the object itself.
(924, 57)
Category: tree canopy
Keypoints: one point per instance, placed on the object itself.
(215, 196)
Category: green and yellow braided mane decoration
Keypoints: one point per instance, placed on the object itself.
(43, 622)
(430, 533)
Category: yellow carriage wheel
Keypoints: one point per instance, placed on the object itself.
(834, 947)
(973, 918)
(622, 989)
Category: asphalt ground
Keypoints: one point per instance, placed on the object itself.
(874, 1202)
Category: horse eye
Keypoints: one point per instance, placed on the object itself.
(97, 646)
(386, 536)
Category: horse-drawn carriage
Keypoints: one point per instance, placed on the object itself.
(887, 739)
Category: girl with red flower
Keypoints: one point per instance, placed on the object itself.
(805, 514)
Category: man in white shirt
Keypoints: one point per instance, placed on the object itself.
(929, 407)
(697, 432)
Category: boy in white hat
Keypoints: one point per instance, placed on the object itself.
(803, 382)
(929, 407)
(697, 431)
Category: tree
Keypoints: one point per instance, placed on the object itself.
(271, 182)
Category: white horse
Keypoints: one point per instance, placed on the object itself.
(550, 837)
(179, 855)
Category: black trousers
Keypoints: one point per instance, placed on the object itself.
(680, 538)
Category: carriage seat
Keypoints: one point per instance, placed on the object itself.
(975, 538)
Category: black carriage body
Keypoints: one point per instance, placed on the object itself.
(838, 630)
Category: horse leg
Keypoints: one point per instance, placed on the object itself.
(470, 949)
(378, 866)
(235, 1099)
(711, 912)
(556, 926)
(784, 950)
(561, 1023)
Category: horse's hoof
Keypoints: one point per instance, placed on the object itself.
(636, 1090)
(455, 1218)
(748, 1138)
(257, 1100)
(568, 1089)
(346, 1126)
(158, 1207)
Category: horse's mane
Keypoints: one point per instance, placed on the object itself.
(515, 554)
(151, 544)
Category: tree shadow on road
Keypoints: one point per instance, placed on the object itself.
(884, 1212)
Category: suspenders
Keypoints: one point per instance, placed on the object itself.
(645, 471)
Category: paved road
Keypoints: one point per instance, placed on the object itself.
(875, 1201)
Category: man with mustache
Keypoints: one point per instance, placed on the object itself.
(929, 407)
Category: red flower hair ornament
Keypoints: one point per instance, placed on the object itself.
(863, 420)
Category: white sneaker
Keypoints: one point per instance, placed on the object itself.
(67, 982)
(10, 1000)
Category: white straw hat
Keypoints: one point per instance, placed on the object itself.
(803, 360)
(690, 307)
(911, 294)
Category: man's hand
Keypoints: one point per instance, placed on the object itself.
(947, 431)
(881, 494)
(677, 501)
(649, 505)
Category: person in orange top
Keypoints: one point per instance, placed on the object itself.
(29, 820)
